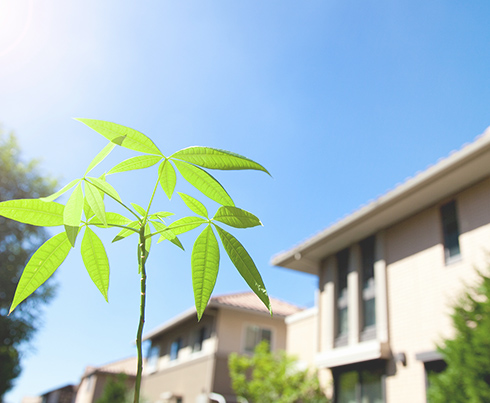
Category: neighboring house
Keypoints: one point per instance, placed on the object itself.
(65, 394)
(188, 358)
(95, 379)
(388, 276)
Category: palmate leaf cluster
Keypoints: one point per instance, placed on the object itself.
(85, 210)
(17, 242)
(273, 377)
(466, 378)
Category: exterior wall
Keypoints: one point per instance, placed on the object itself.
(187, 380)
(422, 288)
(301, 339)
(191, 372)
(232, 324)
(415, 292)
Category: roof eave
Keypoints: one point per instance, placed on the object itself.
(451, 175)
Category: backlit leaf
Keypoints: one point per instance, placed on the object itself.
(112, 219)
(64, 189)
(41, 266)
(161, 215)
(167, 178)
(245, 265)
(33, 211)
(204, 182)
(236, 217)
(186, 224)
(72, 214)
(140, 210)
(214, 158)
(123, 136)
(95, 260)
(134, 225)
(205, 264)
(166, 234)
(139, 162)
(95, 201)
(105, 187)
(100, 157)
(195, 205)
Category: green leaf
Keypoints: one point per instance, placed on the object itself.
(112, 219)
(195, 205)
(245, 265)
(236, 217)
(166, 234)
(100, 157)
(95, 201)
(140, 210)
(87, 210)
(167, 178)
(161, 215)
(41, 266)
(139, 162)
(105, 187)
(123, 136)
(134, 227)
(186, 224)
(204, 182)
(72, 214)
(205, 264)
(33, 211)
(213, 158)
(95, 260)
(64, 189)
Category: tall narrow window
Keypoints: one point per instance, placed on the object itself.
(152, 360)
(359, 385)
(450, 230)
(368, 284)
(199, 338)
(175, 348)
(342, 297)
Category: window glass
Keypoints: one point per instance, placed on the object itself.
(360, 386)
(153, 355)
(347, 385)
(450, 229)
(368, 284)
(371, 390)
(200, 336)
(254, 335)
(174, 348)
(342, 298)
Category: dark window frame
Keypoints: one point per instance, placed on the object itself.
(450, 232)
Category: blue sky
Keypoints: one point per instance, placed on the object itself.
(340, 100)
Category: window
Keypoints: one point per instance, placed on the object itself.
(199, 338)
(450, 230)
(254, 335)
(360, 386)
(368, 284)
(152, 361)
(342, 297)
(175, 348)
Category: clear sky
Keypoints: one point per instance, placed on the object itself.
(339, 99)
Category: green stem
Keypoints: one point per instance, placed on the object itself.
(139, 334)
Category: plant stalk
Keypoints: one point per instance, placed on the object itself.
(139, 334)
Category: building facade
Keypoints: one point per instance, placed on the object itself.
(188, 359)
(389, 275)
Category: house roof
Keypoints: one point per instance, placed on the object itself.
(450, 175)
(246, 301)
(126, 366)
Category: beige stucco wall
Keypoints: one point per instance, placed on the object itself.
(422, 288)
(232, 323)
(301, 339)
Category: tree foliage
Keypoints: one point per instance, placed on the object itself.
(18, 180)
(466, 378)
(116, 390)
(273, 377)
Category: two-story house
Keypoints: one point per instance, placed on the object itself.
(188, 358)
(389, 275)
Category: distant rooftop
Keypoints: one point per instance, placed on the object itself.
(126, 366)
(244, 300)
(248, 300)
